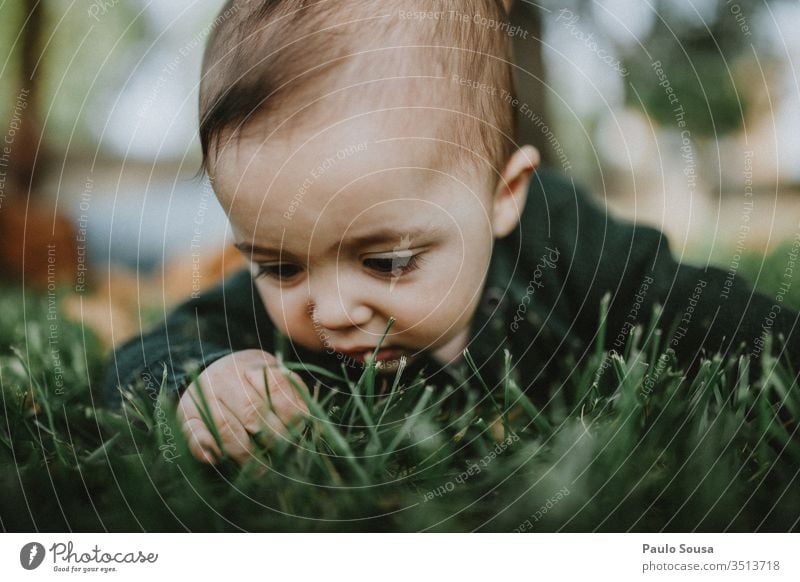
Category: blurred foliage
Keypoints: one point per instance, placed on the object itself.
(766, 273)
(83, 52)
(700, 60)
(705, 53)
(79, 54)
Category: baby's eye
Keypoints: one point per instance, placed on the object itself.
(394, 265)
(280, 271)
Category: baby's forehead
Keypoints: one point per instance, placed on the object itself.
(369, 168)
(347, 148)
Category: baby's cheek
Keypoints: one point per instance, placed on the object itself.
(290, 317)
(430, 312)
(449, 305)
(450, 288)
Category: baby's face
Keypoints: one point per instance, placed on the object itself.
(350, 224)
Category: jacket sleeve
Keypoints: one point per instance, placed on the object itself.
(708, 308)
(228, 318)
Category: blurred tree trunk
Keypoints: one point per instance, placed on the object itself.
(37, 244)
(23, 154)
(531, 82)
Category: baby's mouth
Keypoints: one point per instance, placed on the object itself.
(383, 355)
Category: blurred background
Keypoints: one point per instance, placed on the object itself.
(683, 114)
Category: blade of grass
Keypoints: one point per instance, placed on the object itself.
(471, 362)
(369, 376)
(313, 368)
(101, 451)
(205, 413)
(506, 401)
(393, 390)
(599, 345)
(536, 416)
(742, 389)
(367, 417)
(328, 430)
(38, 393)
(409, 422)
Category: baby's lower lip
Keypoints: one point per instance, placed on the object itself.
(383, 354)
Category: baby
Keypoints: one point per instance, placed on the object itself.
(364, 153)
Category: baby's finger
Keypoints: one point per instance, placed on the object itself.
(234, 436)
(255, 416)
(283, 398)
(273, 430)
(284, 394)
(200, 440)
(186, 407)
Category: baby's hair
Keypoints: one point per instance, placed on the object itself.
(281, 56)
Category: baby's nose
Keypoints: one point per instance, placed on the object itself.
(334, 312)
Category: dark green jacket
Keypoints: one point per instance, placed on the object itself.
(541, 300)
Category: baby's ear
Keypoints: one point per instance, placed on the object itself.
(512, 190)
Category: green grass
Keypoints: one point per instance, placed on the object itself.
(766, 272)
(644, 449)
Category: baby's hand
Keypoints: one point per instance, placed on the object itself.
(235, 389)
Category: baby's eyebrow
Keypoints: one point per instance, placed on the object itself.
(249, 249)
(402, 237)
(389, 235)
